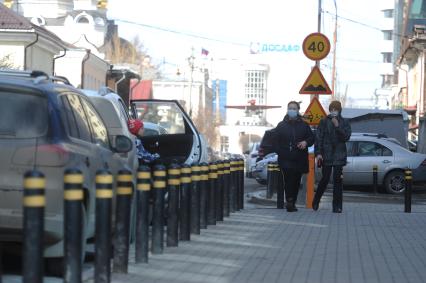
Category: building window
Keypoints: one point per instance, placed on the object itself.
(387, 34)
(224, 144)
(387, 57)
(387, 80)
(388, 13)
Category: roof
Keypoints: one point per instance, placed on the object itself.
(351, 113)
(10, 20)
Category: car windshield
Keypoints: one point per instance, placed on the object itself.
(22, 115)
(164, 115)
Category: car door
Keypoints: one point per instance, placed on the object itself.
(348, 170)
(368, 154)
(180, 141)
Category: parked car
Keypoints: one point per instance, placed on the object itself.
(181, 142)
(266, 145)
(50, 126)
(251, 155)
(364, 151)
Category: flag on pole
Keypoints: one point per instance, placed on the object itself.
(204, 52)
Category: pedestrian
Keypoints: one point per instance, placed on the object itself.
(136, 127)
(292, 137)
(330, 150)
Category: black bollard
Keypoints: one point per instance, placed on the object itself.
(241, 183)
(270, 180)
(173, 212)
(195, 199)
(280, 189)
(185, 203)
(103, 226)
(233, 186)
(142, 218)
(408, 190)
(375, 178)
(158, 217)
(211, 216)
(34, 203)
(204, 183)
(122, 221)
(73, 237)
(219, 191)
(226, 187)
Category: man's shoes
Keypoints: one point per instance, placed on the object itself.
(315, 205)
(291, 207)
(337, 210)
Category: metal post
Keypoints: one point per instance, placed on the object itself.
(73, 237)
(122, 221)
(280, 189)
(408, 190)
(173, 213)
(103, 226)
(158, 217)
(226, 187)
(241, 182)
(234, 186)
(270, 181)
(142, 221)
(195, 199)
(211, 216)
(375, 169)
(204, 183)
(185, 203)
(219, 191)
(34, 203)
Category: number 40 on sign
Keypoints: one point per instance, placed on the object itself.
(316, 46)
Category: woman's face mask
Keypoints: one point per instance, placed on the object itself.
(292, 112)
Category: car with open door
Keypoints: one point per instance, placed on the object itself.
(177, 139)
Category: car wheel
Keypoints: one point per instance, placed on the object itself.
(395, 182)
(262, 182)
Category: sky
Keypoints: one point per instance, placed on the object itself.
(228, 27)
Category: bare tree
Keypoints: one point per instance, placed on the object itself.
(6, 62)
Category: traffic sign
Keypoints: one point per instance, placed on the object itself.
(316, 46)
(315, 83)
(314, 113)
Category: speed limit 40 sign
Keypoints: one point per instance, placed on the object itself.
(316, 46)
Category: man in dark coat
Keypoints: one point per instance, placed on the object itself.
(330, 150)
(293, 136)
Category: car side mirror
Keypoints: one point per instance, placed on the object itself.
(123, 144)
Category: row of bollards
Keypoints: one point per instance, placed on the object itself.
(198, 196)
(275, 184)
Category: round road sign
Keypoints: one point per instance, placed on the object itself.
(316, 46)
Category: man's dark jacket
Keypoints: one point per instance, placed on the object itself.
(287, 135)
(331, 141)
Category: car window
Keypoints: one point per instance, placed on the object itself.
(80, 118)
(123, 110)
(350, 148)
(22, 115)
(164, 114)
(372, 149)
(99, 131)
(71, 123)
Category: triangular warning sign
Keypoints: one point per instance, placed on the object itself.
(315, 83)
(314, 113)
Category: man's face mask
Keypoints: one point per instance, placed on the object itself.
(334, 113)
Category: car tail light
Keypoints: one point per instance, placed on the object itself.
(424, 163)
(52, 155)
(261, 152)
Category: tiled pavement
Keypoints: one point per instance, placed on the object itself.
(368, 242)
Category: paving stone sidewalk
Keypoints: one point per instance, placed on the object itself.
(366, 243)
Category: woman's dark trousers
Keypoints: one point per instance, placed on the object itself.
(292, 180)
(337, 185)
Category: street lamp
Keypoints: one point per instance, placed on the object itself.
(191, 60)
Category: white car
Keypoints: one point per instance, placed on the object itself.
(252, 155)
(178, 140)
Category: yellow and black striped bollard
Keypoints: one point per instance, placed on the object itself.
(104, 196)
(241, 182)
(211, 214)
(173, 213)
(158, 218)
(195, 199)
(73, 222)
(234, 185)
(185, 203)
(122, 221)
(219, 191)
(226, 187)
(143, 188)
(270, 180)
(204, 189)
(34, 203)
(408, 190)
